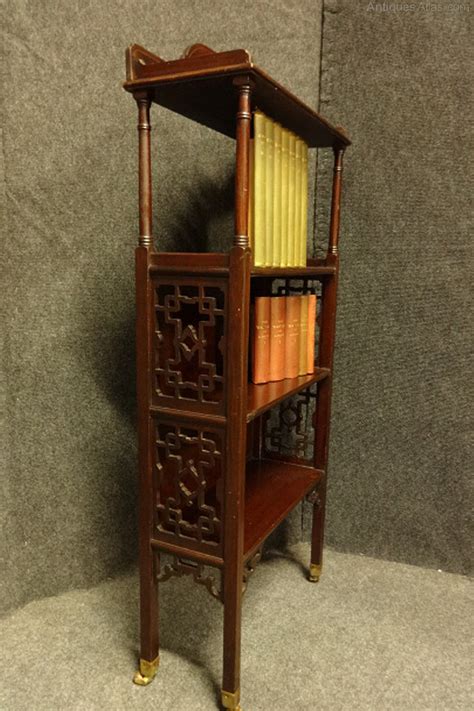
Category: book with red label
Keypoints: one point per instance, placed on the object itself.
(292, 336)
(311, 331)
(277, 337)
(261, 340)
(303, 341)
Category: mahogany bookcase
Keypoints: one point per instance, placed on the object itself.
(221, 461)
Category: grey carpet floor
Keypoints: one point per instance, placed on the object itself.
(371, 635)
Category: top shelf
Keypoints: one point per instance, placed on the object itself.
(199, 86)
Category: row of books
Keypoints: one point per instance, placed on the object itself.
(278, 195)
(282, 337)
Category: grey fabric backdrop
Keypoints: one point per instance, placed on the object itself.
(399, 456)
(69, 494)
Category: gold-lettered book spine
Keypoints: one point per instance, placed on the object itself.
(285, 143)
(276, 256)
(303, 344)
(258, 190)
(268, 123)
(297, 233)
(304, 206)
(291, 200)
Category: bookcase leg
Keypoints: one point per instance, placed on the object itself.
(230, 696)
(149, 644)
(317, 536)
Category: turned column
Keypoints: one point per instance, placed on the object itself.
(149, 643)
(145, 238)
(242, 155)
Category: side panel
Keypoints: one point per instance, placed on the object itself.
(188, 383)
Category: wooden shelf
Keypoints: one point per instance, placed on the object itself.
(295, 272)
(200, 87)
(262, 397)
(217, 264)
(273, 488)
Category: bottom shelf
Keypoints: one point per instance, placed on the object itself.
(272, 489)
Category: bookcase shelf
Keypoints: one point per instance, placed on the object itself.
(272, 490)
(222, 461)
(261, 398)
(200, 86)
(307, 272)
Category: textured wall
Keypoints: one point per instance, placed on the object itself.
(401, 484)
(69, 494)
(399, 487)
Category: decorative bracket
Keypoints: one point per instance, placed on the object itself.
(249, 568)
(314, 496)
(180, 567)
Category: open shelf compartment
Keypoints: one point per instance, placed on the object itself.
(272, 489)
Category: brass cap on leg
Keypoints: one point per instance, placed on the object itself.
(231, 700)
(314, 573)
(147, 672)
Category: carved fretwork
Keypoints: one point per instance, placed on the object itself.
(190, 343)
(249, 568)
(289, 430)
(189, 482)
(180, 567)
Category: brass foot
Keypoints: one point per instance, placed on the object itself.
(314, 573)
(147, 672)
(231, 701)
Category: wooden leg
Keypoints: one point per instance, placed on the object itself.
(149, 639)
(233, 583)
(321, 425)
(317, 535)
(148, 559)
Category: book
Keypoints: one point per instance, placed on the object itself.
(277, 133)
(268, 130)
(291, 200)
(311, 332)
(261, 340)
(258, 222)
(292, 336)
(303, 336)
(297, 229)
(285, 143)
(304, 207)
(277, 337)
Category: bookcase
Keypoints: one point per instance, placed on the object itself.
(222, 461)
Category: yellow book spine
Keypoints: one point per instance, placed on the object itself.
(258, 226)
(297, 235)
(276, 194)
(291, 200)
(285, 143)
(268, 123)
(303, 344)
(304, 207)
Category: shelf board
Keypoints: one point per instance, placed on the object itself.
(272, 490)
(294, 272)
(261, 397)
(199, 85)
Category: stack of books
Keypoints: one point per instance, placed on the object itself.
(282, 338)
(278, 217)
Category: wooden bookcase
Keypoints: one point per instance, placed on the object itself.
(221, 461)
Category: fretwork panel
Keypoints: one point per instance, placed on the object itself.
(190, 338)
(189, 483)
(288, 428)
